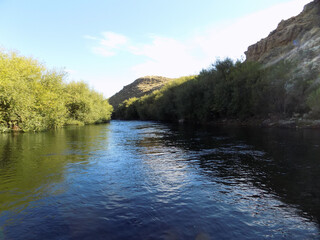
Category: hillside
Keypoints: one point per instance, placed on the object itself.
(296, 39)
(140, 87)
(277, 85)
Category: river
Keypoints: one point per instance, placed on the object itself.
(149, 180)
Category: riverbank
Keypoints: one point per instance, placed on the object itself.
(272, 122)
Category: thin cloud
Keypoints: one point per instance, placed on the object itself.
(113, 40)
(166, 56)
(109, 44)
(172, 58)
(233, 39)
(90, 37)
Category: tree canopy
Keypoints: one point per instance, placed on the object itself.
(34, 98)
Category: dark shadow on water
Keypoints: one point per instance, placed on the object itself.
(283, 162)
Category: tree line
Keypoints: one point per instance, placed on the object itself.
(34, 98)
(232, 90)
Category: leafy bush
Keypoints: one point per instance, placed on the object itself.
(228, 90)
(33, 98)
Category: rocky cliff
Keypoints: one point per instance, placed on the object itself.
(138, 88)
(297, 39)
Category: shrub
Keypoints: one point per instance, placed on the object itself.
(33, 98)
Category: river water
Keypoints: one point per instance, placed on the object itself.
(149, 180)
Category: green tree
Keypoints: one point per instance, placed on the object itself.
(33, 98)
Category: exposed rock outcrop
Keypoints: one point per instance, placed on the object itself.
(138, 88)
(297, 38)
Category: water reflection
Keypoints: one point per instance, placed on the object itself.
(284, 162)
(34, 165)
(242, 170)
(147, 180)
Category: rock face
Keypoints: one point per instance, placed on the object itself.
(297, 38)
(138, 88)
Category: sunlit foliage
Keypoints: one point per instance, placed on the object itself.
(33, 98)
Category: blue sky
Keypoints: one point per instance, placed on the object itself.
(110, 43)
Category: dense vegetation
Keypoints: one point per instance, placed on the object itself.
(233, 90)
(33, 98)
(140, 87)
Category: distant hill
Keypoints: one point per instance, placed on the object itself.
(138, 88)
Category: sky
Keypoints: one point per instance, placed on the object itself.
(110, 43)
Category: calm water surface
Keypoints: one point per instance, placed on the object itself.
(147, 180)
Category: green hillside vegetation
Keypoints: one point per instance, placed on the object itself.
(33, 98)
(140, 87)
(231, 90)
